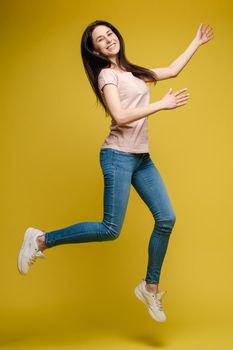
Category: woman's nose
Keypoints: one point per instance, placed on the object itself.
(108, 40)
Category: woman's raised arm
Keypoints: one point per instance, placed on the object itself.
(203, 35)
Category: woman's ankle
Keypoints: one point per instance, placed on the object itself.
(152, 287)
(41, 242)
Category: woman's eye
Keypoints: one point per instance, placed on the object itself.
(108, 34)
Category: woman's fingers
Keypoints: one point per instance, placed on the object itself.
(210, 29)
(205, 27)
(183, 98)
(180, 91)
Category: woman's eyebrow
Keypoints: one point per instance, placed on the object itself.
(109, 30)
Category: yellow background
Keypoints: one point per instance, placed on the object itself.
(81, 296)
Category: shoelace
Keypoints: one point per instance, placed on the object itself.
(36, 254)
(157, 299)
(40, 254)
(158, 302)
(33, 258)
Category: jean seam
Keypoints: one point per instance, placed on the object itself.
(91, 232)
(158, 241)
(113, 197)
(153, 232)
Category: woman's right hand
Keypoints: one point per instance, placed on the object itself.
(173, 100)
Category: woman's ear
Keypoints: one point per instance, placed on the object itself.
(96, 52)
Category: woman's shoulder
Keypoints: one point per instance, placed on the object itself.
(107, 76)
(107, 71)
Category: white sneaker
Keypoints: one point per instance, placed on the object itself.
(152, 301)
(29, 250)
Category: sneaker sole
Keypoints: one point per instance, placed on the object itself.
(140, 296)
(27, 236)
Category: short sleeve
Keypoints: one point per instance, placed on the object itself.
(107, 76)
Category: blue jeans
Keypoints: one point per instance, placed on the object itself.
(120, 170)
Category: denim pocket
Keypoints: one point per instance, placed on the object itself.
(106, 159)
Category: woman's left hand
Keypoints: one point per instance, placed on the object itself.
(204, 34)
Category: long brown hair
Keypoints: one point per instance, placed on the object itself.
(93, 63)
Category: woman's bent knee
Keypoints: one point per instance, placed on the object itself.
(165, 226)
(109, 232)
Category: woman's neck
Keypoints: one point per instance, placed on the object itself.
(118, 69)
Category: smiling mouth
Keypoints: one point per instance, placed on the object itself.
(111, 46)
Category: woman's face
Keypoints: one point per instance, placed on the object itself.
(105, 41)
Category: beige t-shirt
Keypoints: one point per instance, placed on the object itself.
(133, 136)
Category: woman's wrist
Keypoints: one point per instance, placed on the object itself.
(159, 105)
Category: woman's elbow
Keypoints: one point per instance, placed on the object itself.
(119, 118)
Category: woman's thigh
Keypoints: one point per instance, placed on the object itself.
(117, 183)
(149, 184)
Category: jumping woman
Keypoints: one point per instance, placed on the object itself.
(125, 159)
